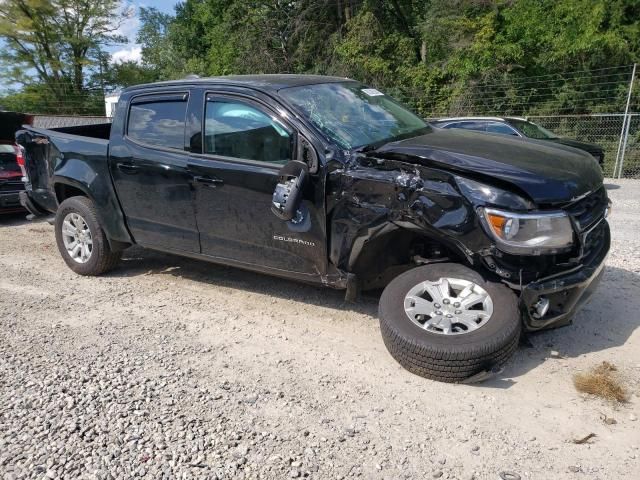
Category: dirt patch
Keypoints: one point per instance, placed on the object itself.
(602, 381)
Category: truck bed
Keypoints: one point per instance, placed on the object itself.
(97, 131)
(52, 152)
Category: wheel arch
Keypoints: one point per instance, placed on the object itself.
(64, 188)
(109, 215)
(393, 249)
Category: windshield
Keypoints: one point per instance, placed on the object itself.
(352, 115)
(532, 130)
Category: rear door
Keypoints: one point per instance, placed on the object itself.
(245, 142)
(149, 168)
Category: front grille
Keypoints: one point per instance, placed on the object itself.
(589, 210)
(593, 241)
(588, 217)
(11, 186)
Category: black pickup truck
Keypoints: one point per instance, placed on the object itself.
(323, 180)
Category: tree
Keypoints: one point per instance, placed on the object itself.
(126, 74)
(158, 51)
(440, 56)
(55, 42)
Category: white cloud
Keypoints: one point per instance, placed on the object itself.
(133, 53)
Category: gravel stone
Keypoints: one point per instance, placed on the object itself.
(169, 368)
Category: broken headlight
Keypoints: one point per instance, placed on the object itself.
(528, 233)
(481, 194)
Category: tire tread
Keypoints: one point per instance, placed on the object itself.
(442, 362)
(105, 258)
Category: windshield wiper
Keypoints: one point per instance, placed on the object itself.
(371, 147)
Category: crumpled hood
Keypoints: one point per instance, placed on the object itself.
(548, 173)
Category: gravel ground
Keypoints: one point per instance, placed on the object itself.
(172, 368)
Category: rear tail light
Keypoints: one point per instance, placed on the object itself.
(20, 160)
(19, 155)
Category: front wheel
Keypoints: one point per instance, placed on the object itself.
(80, 238)
(447, 322)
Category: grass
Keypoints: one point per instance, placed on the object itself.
(602, 381)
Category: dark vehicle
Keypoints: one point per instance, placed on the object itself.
(325, 181)
(10, 179)
(10, 155)
(518, 127)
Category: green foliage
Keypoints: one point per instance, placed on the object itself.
(158, 51)
(37, 98)
(440, 56)
(55, 42)
(437, 55)
(126, 74)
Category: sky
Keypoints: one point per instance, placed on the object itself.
(129, 29)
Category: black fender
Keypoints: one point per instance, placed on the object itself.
(100, 190)
(393, 201)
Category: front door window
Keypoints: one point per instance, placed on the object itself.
(237, 130)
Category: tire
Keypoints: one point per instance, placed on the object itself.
(101, 258)
(449, 358)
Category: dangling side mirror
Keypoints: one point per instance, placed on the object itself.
(287, 195)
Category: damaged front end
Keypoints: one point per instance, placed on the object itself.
(390, 212)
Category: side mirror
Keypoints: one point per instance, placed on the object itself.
(287, 195)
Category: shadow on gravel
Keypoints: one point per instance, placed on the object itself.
(606, 321)
(611, 186)
(138, 261)
(13, 219)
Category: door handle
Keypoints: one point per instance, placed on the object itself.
(127, 168)
(208, 181)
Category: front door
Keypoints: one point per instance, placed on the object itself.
(244, 145)
(149, 168)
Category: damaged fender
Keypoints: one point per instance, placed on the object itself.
(365, 203)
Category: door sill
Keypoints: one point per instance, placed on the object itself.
(299, 276)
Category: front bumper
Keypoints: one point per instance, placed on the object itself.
(566, 292)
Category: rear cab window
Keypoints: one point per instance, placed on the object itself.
(158, 120)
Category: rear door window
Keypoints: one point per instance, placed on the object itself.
(479, 126)
(158, 121)
(501, 128)
(466, 125)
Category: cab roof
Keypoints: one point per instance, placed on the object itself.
(271, 82)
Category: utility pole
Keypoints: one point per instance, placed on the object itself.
(624, 134)
(100, 60)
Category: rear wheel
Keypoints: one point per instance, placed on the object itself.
(447, 322)
(81, 241)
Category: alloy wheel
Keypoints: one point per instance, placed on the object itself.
(448, 306)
